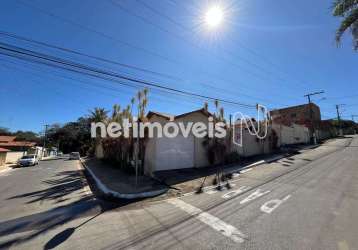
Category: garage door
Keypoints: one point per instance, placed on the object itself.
(174, 153)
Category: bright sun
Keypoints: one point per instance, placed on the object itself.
(214, 16)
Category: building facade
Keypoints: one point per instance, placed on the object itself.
(306, 114)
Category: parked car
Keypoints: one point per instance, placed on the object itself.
(74, 156)
(28, 160)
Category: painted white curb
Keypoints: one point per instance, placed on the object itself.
(115, 194)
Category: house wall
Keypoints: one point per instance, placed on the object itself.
(199, 151)
(297, 115)
(38, 151)
(2, 158)
(251, 145)
(326, 134)
(13, 156)
(294, 134)
(149, 157)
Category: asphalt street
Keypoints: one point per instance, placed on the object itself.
(307, 201)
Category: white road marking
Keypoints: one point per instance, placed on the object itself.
(254, 196)
(235, 192)
(271, 205)
(210, 220)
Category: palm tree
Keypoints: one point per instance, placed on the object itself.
(206, 106)
(132, 103)
(144, 106)
(348, 10)
(222, 114)
(115, 112)
(216, 104)
(98, 115)
(139, 97)
(145, 92)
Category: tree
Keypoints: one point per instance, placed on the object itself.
(206, 106)
(98, 115)
(73, 136)
(4, 131)
(21, 135)
(27, 136)
(116, 112)
(348, 10)
(132, 103)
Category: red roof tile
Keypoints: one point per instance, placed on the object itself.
(6, 138)
(4, 150)
(17, 144)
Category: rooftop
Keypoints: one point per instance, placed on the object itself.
(4, 150)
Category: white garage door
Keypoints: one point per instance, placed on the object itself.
(174, 153)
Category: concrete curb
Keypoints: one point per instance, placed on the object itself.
(258, 163)
(110, 193)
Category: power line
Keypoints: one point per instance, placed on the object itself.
(116, 63)
(105, 35)
(21, 53)
(111, 89)
(77, 81)
(4, 33)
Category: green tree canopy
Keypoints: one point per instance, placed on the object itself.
(348, 11)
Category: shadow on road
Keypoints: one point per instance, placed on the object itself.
(61, 187)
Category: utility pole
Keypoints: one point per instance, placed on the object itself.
(313, 129)
(339, 118)
(44, 143)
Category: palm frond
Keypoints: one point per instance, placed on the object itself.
(346, 23)
(343, 7)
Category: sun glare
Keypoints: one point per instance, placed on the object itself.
(214, 16)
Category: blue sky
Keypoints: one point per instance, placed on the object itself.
(270, 52)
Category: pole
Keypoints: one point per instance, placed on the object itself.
(231, 133)
(44, 143)
(313, 127)
(339, 119)
(137, 151)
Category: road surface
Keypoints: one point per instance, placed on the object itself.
(308, 201)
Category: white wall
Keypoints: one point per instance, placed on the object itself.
(251, 145)
(294, 134)
(13, 156)
(154, 146)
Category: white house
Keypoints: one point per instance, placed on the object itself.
(179, 152)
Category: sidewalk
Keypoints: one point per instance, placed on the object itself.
(173, 183)
(183, 181)
(189, 180)
(7, 166)
(113, 182)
